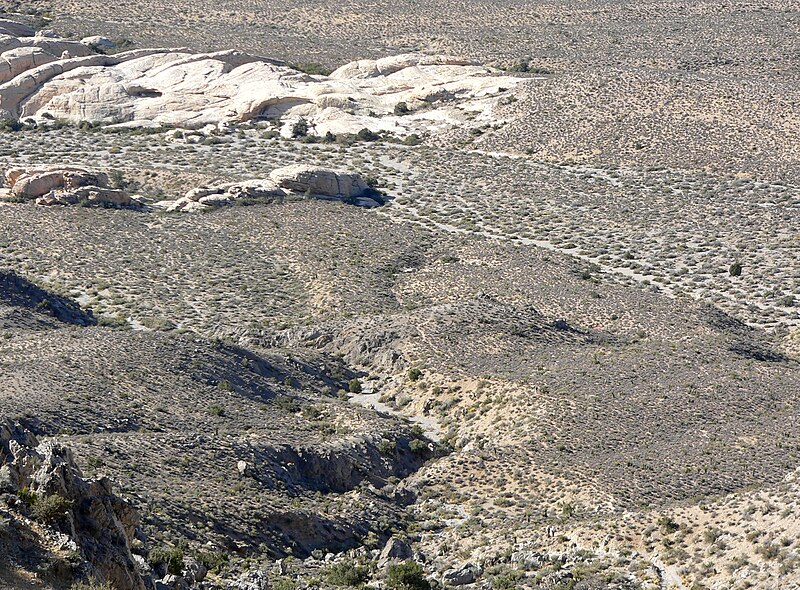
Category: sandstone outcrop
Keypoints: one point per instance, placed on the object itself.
(66, 186)
(285, 182)
(325, 182)
(87, 517)
(45, 79)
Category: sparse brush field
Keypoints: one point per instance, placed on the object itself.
(675, 231)
(569, 397)
(586, 297)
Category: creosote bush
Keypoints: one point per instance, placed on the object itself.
(408, 575)
(347, 573)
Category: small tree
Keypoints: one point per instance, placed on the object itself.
(735, 269)
(414, 374)
(300, 128)
(354, 386)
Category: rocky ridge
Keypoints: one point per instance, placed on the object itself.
(41, 481)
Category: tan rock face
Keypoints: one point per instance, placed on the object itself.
(66, 186)
(31, 183)
(319, 181)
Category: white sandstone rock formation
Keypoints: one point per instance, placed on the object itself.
(191, 90)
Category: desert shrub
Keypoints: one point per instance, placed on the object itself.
(735, 269)
(7, 125)
(412, 139)
(91, 585)
(408, 575)
(414, 374)
(214, 561)
(418, 446)
(289, 404)
(171, 557)
(313, 69)
(158, 324)
(354, 386)
(401, 108)
(300, 128)
(367, 135)
(387, 448)
(49, 509)
(506, 580)
(347, 573)
(668, 526)
(283, 583)
(216, 411)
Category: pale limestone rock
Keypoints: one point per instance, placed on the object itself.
(99, 42)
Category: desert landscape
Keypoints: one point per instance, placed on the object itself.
(399, 296)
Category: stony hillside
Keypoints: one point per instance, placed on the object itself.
(515, 307)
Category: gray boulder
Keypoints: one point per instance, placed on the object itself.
(466, 574)
(394, 550)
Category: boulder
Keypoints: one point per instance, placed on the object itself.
(21, 59)
(218, 200)
(99, 42)
(466, 574)
(90, 195)
(394, 550)
(254, 580)
(183, 204)
(15, 29)
(319, 181)
(61, 79)
(194, 572)
(31, 183)
(263, 188)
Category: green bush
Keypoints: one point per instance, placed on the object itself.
(735, 269)
(418, 446)
(92, 585)
(49, 509)
(214, 561)
(313, 69)
(347, 573)
(408, 575)
(387, 448)
(354, 386)
(414, 374)
(172, 557)
(367, 135)
(300, 129)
